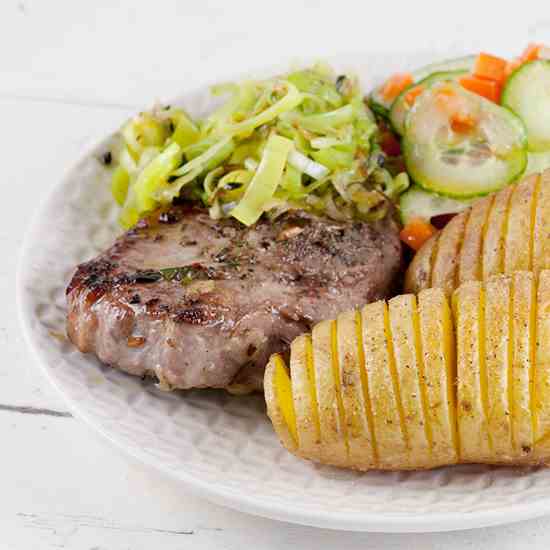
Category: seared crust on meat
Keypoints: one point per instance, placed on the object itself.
(203, 303)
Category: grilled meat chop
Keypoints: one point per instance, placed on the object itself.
(204, 303)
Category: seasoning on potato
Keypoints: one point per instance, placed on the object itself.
(423, 381)
(499, 234)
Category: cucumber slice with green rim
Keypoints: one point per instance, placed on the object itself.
(462, 164)
(418, 203)
(400, 108)
(527, 93)
(382, 107)
(465, 63)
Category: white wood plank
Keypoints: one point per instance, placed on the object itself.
(63, 488)
(43, 139)
(131, 52)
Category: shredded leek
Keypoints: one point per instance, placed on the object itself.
(154, 175)
(301, 140)
(265, 181)
(185, 132)
(119, 184)
(289, 101)
(307, 166)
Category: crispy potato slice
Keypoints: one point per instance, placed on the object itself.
(541, 231)
(468, 306)
(498, 364)
(518, 240)
(523, 330)
(437, 346)
(386, 407)
(419, 273)
(331, 422)
(409, 368)
(444, 270)
(355, 398)
(279, 401)
(541, 388)
(505, 232)
(492, 255)
(469, 263)
(305, 398)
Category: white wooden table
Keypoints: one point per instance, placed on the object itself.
(71, 70)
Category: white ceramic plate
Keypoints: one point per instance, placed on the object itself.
(220, 446)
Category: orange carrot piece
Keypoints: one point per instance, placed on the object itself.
(489, 89)
(412, 94)
(416, 233)
(395, 85)
(531, 53)
(489, 67)
(462, 123)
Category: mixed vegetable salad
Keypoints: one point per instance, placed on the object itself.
(309, 139)
(306, 139)
(465, 128)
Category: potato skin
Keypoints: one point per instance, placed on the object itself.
(505, 232)
(422, 382)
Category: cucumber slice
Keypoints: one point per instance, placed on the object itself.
(462, 164)
(527, 93)
(459, 64)
(400, 108)
(418, 203)
(382, 107)
(378, 104)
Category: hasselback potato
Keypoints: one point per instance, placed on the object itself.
(502, 233)
(420, 382)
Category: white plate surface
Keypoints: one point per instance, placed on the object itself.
(220, 446)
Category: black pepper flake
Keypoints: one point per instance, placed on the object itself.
(340, 82)
(230, 185)
(107, 158)
(168, 218)
(307, 180)
(251, 350)
(135, 299)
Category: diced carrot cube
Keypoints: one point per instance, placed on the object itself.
(416, 233)
(489, 89)
(412, 94)
(490, 67)
(462, 123)
(395, 85)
